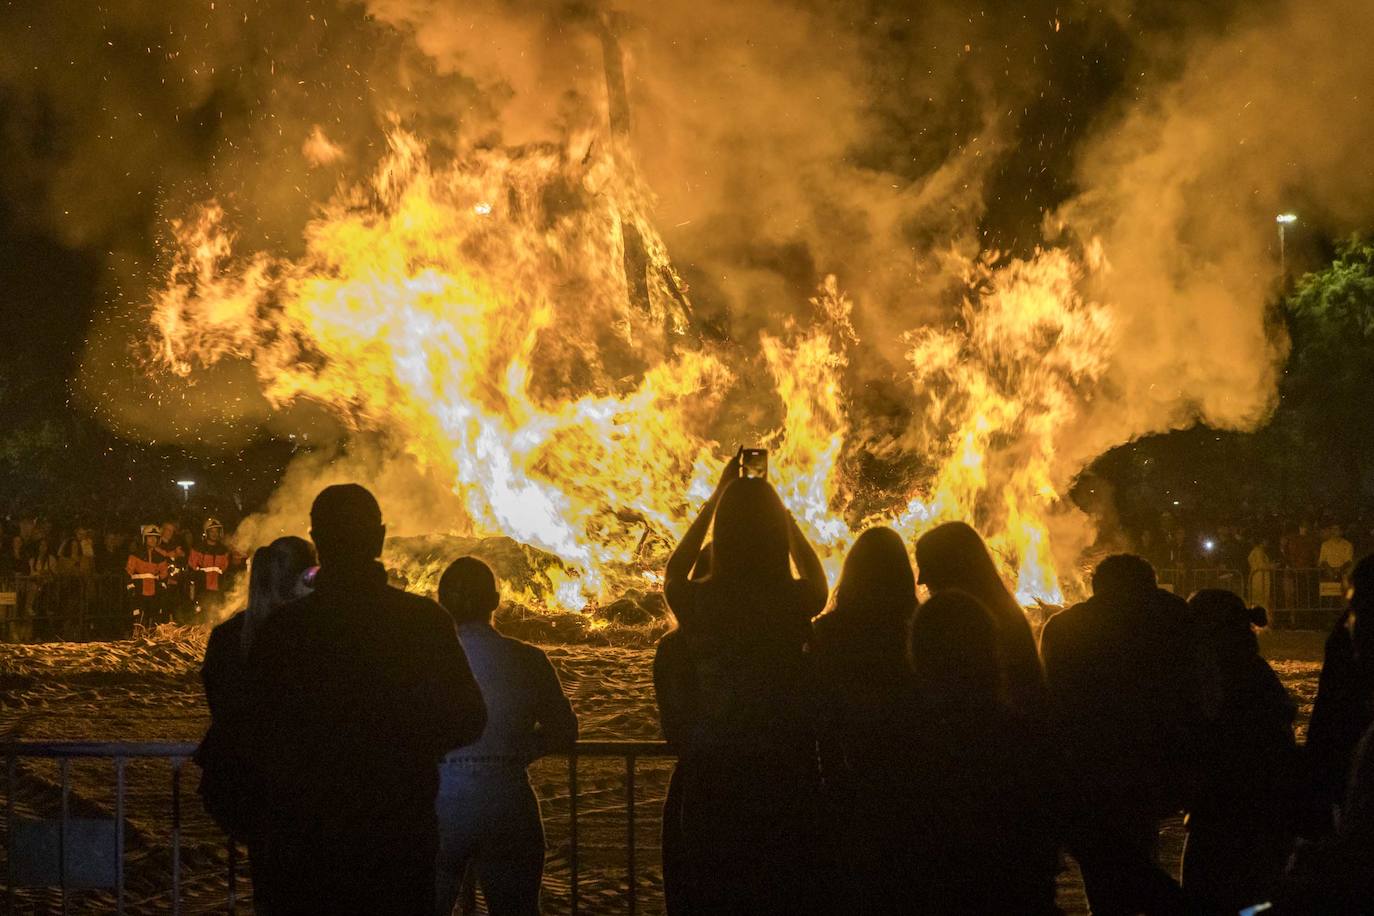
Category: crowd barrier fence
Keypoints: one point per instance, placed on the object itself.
(88, 854)
(1296, 598)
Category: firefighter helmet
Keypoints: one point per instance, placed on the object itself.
(211, 523)
(151, 531)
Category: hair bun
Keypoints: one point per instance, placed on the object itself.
(1259, 616)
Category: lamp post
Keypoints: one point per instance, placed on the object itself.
(186, 486)
(1283, 219)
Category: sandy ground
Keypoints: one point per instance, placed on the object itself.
(149, 690)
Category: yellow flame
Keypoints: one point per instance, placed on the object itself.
(484, 317)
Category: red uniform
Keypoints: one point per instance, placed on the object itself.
(146, 571)
(213, 562)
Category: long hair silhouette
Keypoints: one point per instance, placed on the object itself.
(876, 578)
(274, 577)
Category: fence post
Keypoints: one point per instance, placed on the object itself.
(630, 829)
(176, 836)
(572, 832)
(11, 766)
(119, 835)
(233, 875)
(64, 767)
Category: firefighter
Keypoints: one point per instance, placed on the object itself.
(212, 564)
(148, 571)
(171, 547)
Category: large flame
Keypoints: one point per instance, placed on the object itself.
(511, 320)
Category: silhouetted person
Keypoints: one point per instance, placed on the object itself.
(276, 577)
(750, 818)
(1343, 710)
(1336, 874)
(860, 641)
(676, 693)
(359, 689)
(860, 646)
(953, 555)
(966, 809)
(488, 813)
(1240, 828)
(1124, 679)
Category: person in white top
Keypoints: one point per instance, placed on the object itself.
(488, 813)
(1337, 556)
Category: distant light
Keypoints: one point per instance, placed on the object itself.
(1209, 545)
(186, 484)
(1286, 218)
(484, 208)
(1175, 502)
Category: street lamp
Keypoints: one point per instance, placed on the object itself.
(186, 486)
(1283, 219)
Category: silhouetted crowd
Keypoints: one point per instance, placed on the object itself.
(853, 751)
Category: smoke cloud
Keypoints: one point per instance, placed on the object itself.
(784, 141)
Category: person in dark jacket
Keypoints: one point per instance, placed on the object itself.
(677, 693)
(488, 813)
(1343, 710)
(974, 798)
(1240, 820)
(953, 555)
(1124, 677)
(277, 577)
(359, 690)
(1336, 873)
(860, 646)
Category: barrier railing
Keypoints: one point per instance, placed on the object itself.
(121, 753)
(1294, 597)
(63, 606)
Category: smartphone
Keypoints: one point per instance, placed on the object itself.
(753, 462)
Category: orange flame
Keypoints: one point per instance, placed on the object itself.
(479, 316)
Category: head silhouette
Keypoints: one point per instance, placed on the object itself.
(275, 577)
(953, 555)
(749, 543)
(1226, 621)
(1361, 619)
(1123, 575)
(467, 590)
(877, 576)
(346, 525)
(953, 650)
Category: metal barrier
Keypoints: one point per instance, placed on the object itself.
(1295, 597)
(63, 606)
(120, 753)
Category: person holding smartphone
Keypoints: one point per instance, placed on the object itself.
(751, 832)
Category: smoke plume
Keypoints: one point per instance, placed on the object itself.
(1130, 159)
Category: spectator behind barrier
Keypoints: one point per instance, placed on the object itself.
(1240, 820)
(753, 838)
(861, 655)
(359, 689)
(953, 555)
(974, 798)
(1342, 711)
(1336, 874)
(1125, 689)
(227, 787)
(488, 814)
